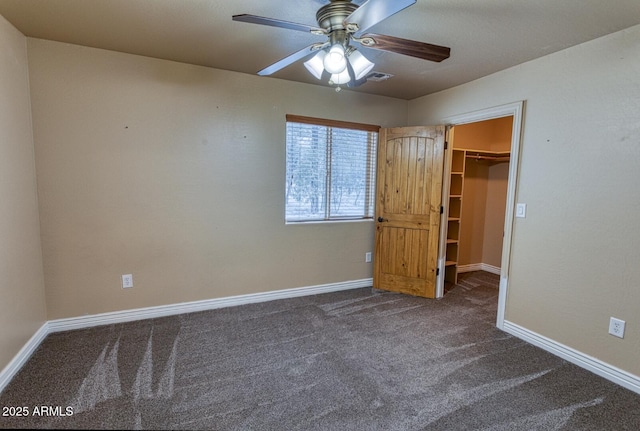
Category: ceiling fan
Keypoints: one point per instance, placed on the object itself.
(343, 21)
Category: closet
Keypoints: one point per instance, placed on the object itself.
(478, 171)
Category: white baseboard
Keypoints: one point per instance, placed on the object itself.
(479, 267)
(82, 322)
(191, 307)
(596, 366)
(587, 362)
(23, 356)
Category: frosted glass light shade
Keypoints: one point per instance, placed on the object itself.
(315, 65)
(340, 78)
(335, 61)
(361, 66)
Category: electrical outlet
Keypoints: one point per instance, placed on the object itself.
(367, 257)
(616, 327)
(127, 281)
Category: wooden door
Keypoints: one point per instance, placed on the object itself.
(408, 199)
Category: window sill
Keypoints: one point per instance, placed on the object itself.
(357, 220)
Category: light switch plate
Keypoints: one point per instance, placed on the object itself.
(521, 210)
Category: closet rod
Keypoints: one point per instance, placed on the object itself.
(495, 159)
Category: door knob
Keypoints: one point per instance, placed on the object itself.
(380, 219)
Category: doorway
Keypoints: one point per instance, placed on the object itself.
(479, 156)
(515, 112)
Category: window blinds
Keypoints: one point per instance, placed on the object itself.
(330, 170)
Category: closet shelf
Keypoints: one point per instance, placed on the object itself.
(470, 152)
(490, 156)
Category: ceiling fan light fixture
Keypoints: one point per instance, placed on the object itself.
(360, 64)
(340, 78)
(315, 65)
(335, 61)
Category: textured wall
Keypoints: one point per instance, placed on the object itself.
(22, 306)
(175, 173)
(574, 259)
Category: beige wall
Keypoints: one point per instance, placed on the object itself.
(574, 257)
(22, 306)
(489, 135)
(175, 173)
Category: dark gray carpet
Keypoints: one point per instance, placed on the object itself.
(354, 360)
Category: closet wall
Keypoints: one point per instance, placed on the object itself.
(484, 191)
(496, 206)
(490, 135)
(483, 209)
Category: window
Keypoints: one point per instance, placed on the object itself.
(330, 170)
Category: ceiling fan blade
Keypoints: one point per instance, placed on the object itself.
(425, 51)
(374, 11)
(254, 19)
(299, 55)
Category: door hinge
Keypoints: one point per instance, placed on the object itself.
(441, 209)
(446, 145)
(437, 272)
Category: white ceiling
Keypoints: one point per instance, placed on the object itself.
(485, 36)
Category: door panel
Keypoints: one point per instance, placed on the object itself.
(409, 191)
(400, 243)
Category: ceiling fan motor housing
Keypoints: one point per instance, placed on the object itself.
(331, 16)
